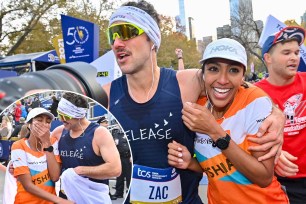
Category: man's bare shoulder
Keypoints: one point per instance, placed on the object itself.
(190, 84)
(57, 132)
(102, 135)
(188, 71)
(187, 76)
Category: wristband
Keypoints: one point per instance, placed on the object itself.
(180, 58)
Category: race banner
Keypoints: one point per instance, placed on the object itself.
(81, 39)
(273, 25)
(58, 44)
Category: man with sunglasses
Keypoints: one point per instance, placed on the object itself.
(87, 150)
(148, 100)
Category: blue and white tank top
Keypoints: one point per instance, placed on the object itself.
(79, 151)
(152, 125)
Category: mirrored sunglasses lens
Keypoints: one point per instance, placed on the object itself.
(123, 31)
(61, 117)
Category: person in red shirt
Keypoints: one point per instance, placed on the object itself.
(17, 112)
(287, 88)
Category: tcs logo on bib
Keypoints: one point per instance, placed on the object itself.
(143, 173)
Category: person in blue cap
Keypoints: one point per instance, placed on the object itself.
(287, 88)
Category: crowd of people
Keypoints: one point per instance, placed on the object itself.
(13, 118)
(80, 152)
(144, 90)
(248, 139)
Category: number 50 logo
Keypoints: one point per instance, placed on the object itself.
(78, 34)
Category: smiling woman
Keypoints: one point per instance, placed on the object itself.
(230, 113)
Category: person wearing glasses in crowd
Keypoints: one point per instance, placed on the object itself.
(36, 162)
(287, 88)
(87, 151)
(234, 173)
(148, 100)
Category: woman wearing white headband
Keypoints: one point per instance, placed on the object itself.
(230, 113)
(88, 153)
(36, 162)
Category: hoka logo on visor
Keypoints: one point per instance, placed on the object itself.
(223, 48)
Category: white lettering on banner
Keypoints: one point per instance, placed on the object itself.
(61, 48)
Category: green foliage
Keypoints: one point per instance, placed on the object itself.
(41, 23)
(34, 42)
(172, 40)
(18, 18)
(23, 23)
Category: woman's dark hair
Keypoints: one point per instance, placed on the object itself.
(147, 7)
(28, 134)
(76, 99)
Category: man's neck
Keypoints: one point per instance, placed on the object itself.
(79, 128)
(142, 86)
(279, 81)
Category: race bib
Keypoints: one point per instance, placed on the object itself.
(153, 185)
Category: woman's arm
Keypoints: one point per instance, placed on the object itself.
(199, 119)
(259, 172)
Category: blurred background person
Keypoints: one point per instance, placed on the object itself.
(36, 103)
(17, 112)
(24, 132)
(6, 127)
(54, 105)
(103, 121)
(179, 55)
(17, 128)
(126, 163)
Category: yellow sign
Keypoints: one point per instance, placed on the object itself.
(58, 44)
(102, 74)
